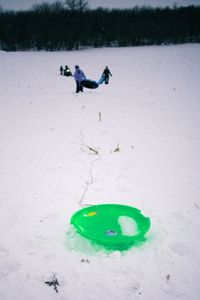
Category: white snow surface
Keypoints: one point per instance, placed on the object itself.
(149, 114)
(128, 226)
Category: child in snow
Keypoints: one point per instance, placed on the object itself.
(67, 71)
(105, 76)
(61, 70)
(79, 76)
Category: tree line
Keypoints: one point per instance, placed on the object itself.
(62, 27)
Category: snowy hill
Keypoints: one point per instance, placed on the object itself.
(149, 113)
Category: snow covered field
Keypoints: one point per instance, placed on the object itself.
(150, 112)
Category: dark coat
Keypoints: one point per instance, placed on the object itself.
(106, 73)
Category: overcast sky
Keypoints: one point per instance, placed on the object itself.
(26, 4)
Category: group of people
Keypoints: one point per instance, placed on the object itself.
(79, 76)
(65, 71)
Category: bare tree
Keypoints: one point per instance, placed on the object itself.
(82, 5)
(77, 5)
(43, 7)
(57, 6)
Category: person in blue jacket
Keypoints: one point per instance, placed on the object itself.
(79, 76)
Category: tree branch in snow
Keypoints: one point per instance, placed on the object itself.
(117, 149)
(92, 149)
(54, 282)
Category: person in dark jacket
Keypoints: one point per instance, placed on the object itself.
(79, 76)
(67, 71)
(61, 70)
(105, 76)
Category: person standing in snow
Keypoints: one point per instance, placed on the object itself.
(105, 76)
(61, 70)
(79, 76)
(67, 71)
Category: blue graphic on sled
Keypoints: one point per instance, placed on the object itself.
(90, 84)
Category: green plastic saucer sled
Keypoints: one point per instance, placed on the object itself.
(116, 227)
